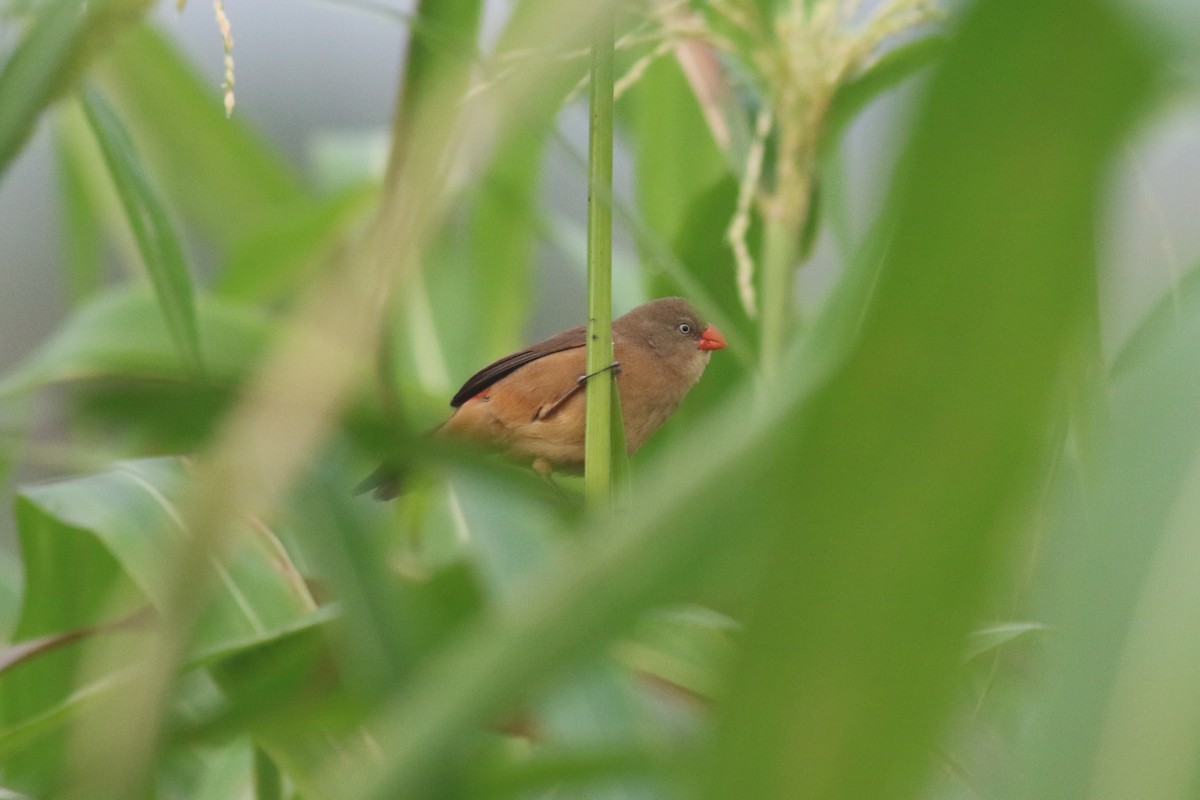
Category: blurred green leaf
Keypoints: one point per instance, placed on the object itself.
(26, 740)
(1159, 328)
(211, 773)
(399, 616)
(687, 648)
(70, 582)
(99, 533)
(897, 65)
(1172, 24)
(63, 38)
(121, 334)
(676, 160)
(10, 592)
(158, 243)
(441, 54)
(273, 261)
(217, 171)
(130, 511)
(82, 223)
(881, 560)
(472, 304)
(286, 693)
(16, 654)
(992, 637)
(513, 538)
(1117, 705)
(504, 229)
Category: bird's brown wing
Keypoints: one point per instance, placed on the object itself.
(567, 340)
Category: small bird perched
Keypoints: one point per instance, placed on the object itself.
(530, 405)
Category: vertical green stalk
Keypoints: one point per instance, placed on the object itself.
(598, 442)
(779, 253)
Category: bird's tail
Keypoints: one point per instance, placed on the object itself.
(385, 483)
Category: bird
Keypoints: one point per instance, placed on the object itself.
(530, 405)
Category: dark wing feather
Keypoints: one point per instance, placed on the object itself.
(567, 340)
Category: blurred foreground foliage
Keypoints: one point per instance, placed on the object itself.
(927, 540)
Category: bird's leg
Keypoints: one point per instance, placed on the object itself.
(615, 366)
(545, 412)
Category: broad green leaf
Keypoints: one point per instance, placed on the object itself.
(503, 234)
(14, 655)
(131, 510)
(551, 771)
(27, 738)
(216, 171)
(1119, 701)
(473, 301)
(275, 260)
(676, 160)
(986, 639)
(513, 538)
(882, 560)
(158, 243)
(70, 580)
(1159, 327)
(31, 732)
(121, 334)
(285, 694)
(108, 538)
(688, 648)
(1173, 24)
(64, 36)
(211, 773)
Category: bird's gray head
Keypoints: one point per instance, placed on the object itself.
(669, 324)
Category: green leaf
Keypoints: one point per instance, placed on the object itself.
(131, 511)
(503, 235)
(217, 171)
(83, 227)
(686, 648)
(481, 270)
(677, 161)
(1159, 328)
(881, 560)
(37, 698)
(20, 741)
(985, 640)
(108, 536)
(1117, 700)
(15, 654)
(898, 65)
(158, 243)
(121, 334)
(273, 261)
(512, 538)
(58, 46)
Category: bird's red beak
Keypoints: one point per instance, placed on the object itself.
(711, 339)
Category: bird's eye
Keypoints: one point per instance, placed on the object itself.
(684, 328)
